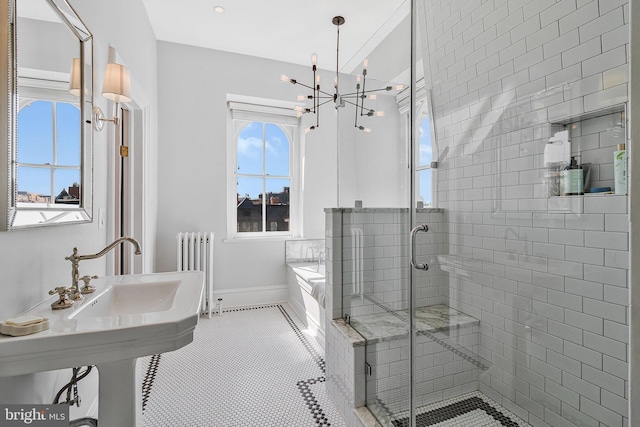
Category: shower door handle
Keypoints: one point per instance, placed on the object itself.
(417, 265)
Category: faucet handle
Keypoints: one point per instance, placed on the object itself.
(63, 300)
(60, 290)
(87, 288)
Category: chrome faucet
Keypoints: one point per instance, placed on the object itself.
(75, 259)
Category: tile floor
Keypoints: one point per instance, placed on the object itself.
(248, 367)
(258, 367)
(469, 410)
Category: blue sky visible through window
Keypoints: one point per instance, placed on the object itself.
(263, 150)
(36, 146)
(425, 157)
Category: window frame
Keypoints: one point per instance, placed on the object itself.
(54, 95)
(424, 110)
(241, 112)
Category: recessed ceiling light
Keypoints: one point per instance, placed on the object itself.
(218, 9)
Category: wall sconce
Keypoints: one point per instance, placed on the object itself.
(117, 88)
(74, 82)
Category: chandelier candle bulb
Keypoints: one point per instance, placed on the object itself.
(314, 58)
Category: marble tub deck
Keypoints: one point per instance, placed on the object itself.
(390, 325)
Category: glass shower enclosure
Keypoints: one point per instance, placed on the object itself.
(478, 285)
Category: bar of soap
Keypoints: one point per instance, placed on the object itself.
(24, 320)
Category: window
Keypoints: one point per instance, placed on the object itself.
(424, 157)
(263, 178)
(263, 173)
(48, 161)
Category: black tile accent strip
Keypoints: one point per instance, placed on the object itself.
(304, 385)
(312, 351)
(312, 403)
(257, 307)
(455, 410)
(149, 378)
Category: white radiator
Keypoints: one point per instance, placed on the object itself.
(195, 252)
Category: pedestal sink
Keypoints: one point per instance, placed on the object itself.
(127, 317)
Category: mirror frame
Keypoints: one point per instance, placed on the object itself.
(51, 214)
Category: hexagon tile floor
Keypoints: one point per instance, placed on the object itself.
(470, 410)
(247, 367)
(256, 367)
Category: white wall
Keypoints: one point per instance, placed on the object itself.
(32, 261)
(193, 87)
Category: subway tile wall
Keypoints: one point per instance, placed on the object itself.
(375, 259)
(547, 277)
(439, 372)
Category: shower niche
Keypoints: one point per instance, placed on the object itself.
(579, 153)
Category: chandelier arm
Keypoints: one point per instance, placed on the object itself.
(314, 88)
(325, 102)
(364, 82)
(354, 94)
(304, 85)
(357, 101)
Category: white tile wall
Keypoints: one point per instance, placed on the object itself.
(547, 277)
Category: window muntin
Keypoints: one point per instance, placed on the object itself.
(263, 179)
(48, 161)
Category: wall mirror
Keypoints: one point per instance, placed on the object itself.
(49, 155)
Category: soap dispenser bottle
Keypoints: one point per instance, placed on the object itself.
(572, 179)
(620, 169)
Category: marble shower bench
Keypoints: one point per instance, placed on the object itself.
(375, 351)
(392, 325)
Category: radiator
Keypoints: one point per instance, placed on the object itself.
(195, 253)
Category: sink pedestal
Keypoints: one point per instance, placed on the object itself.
(119, 395)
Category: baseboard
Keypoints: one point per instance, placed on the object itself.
(244, 297)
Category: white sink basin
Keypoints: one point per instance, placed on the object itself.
(130, 301)
(127, 317)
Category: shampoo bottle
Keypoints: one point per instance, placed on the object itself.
(620, 169)
(572, 179)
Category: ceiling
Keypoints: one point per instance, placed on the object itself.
(284, 30)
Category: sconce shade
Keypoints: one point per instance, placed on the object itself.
(117, 84)
(74, 81)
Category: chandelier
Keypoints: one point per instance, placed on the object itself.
(319, 97)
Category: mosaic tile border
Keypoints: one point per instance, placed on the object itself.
(458, 408)
(149, 378)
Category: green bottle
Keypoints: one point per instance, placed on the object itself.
(572, 179)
